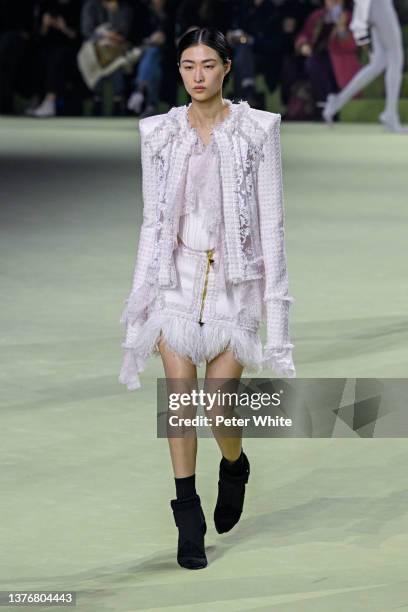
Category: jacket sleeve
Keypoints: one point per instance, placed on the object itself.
(277, 352)
(147, 231)
(142, 291)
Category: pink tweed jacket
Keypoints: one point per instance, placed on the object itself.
(248, 142)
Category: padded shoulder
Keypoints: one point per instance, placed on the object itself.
(148, 124)
(265, 118)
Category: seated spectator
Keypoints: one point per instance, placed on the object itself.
(293, 14)
(16, 36)
(327, 51)
(257, 42)
(57, 48)
(112, 21)
(149, 71)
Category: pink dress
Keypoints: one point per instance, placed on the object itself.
(201, 317)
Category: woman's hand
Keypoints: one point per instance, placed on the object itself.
(239, 36)
(114, 37)
(46, 23)
(157, 38)
(61, 25)
(58, 23)
(305, 49)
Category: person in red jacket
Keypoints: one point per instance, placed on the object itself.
(328, 46)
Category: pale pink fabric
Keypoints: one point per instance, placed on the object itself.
(201, 216)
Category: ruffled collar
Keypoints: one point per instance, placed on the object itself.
(176, 123)
(226, 125)
(203, 183)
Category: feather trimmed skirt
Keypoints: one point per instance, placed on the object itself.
(199, 319)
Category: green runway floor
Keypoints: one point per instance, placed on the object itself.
(85, 483)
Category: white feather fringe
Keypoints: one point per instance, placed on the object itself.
(189, 339)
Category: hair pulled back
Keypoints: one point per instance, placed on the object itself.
(205, 36)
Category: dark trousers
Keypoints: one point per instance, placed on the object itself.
(13, 48)
(317, 70)
(320, 72)
(250, 60)
(57, 66)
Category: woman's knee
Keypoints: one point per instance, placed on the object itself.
(395, 60)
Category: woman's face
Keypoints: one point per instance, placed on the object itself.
(201, 66)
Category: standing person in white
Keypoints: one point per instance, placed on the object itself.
(380, 18)
(211, 266)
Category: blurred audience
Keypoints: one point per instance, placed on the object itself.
(325, 55)
(16, 32)
(145, 96)
(293, 14)
(257, 40)
(303, 49)
(110, 21)
(57, 42)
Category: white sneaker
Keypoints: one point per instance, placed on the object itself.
(330, 109)
(33, 103)
(46, 109)
(135, 102)
(392, 123)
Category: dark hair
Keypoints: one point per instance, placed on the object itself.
(206, 36)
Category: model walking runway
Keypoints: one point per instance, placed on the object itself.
(376, 20)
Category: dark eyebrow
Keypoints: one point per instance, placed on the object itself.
(210, 59)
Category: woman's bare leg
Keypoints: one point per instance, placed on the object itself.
(182, 377)
(225, 366)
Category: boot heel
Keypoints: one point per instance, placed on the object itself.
(190, 521)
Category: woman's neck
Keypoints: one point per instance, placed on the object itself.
(204, 115)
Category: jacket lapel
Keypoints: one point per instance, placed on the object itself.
(227, 151)
(175, 184)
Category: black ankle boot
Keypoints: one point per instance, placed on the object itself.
(190, 520)
(231, 494)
